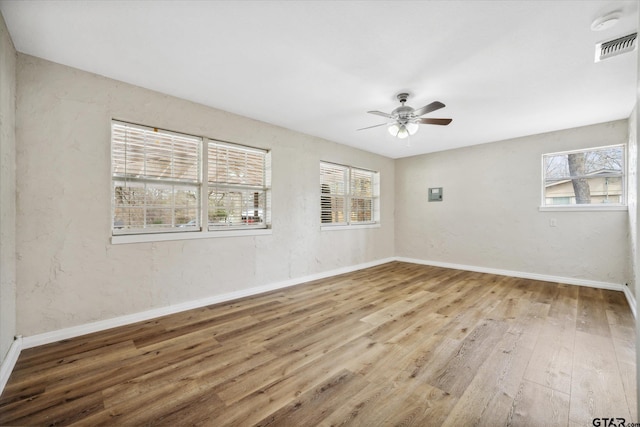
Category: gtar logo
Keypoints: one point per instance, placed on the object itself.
(609, 422)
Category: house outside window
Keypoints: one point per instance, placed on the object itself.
(584, 178)
(162, 183)
(348, 195)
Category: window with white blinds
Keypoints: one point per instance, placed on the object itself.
(158, 176)
(348, 195)
(238, 188)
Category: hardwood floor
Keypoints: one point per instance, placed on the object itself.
(397, 344)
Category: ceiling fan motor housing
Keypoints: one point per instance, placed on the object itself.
(404, 113)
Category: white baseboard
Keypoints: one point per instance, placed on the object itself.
(75, 331)
(523, 275)
(9, 362)
(630, 299)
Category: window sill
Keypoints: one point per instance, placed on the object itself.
(579, 208)
(349, 227)
(161, 237)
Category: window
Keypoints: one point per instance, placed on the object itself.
(593, 177)
(238, 193)
(348, 195)
(158, 177)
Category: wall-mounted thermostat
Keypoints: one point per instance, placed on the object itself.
(435, 194)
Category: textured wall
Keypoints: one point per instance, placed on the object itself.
(7, 190)
(632, 194)
(69, 273)
(490, 218)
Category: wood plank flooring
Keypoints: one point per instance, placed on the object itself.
(397, 344)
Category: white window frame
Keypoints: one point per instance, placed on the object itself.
(201, 229)
(349, 196)
(622, 206)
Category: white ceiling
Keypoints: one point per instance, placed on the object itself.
(503, 68)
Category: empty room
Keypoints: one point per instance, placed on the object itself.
(301, 213)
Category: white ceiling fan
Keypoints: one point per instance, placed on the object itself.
(406, 120)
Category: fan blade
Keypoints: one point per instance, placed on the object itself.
(442, 122)
(380, 113)
(374, 126)
(435, 105)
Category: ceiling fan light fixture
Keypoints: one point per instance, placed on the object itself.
(401, 130)
(412, 128)
(398, 130)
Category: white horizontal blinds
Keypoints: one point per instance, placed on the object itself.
(334, 191)
(236, 165)
(155, 177)
(237, 186)
(361, 196)
(141, 152)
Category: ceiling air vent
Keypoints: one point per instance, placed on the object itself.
(611, 48)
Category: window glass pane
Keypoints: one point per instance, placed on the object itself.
(234, 208)
(158, 206)
(129, 206)
(139, 205)
(584, 163)
(586, 177)
(187, 218)
(361, 183)
(361, 210)
(556, 200)
(186, 206)
(600, 190)
(333, 209)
